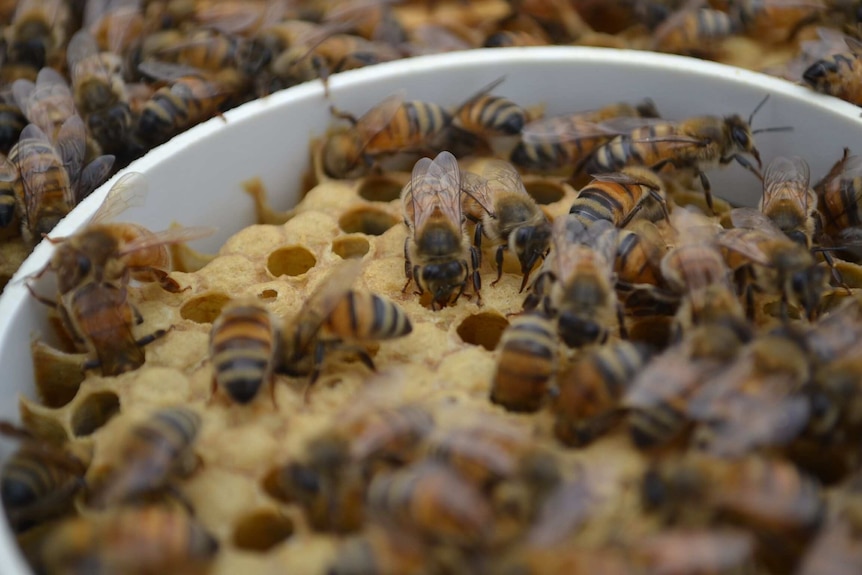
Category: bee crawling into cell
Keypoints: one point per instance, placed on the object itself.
(436, 250)
(337, 316)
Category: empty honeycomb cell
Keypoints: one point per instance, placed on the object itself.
(368, 221)
(268, 295)
(94, 411)
(379, 189)
(347, 247)
(483, 329)
(261, 530)
(545, 192)
(204, 308)
(290, 261)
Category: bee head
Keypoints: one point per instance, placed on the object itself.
(341, 155)
(531, 243)
(806, 286)
(442, 279)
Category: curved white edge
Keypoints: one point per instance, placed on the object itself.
(11, 561)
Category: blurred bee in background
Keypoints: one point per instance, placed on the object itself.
(392, 126)
(694, 31)
(152, 453)
(526, 362)
(384, 550)
(695, 269)
(8, 209)
(507, 215)
(338, 317)
(575, 284)
(699, 143)
(781, 265)
(51, 184)
(789, 201)
(39, 481)
(620, 197)
(193, 96)
(149, 539)
(100, 92)
(207, 50)
(776, 21)
(12, 122)
(432, 501)
(590, 391)
(686, 550)
(37, 35)
(839, 73)
(436, 249)
(117, 26)
(561, 141)
(839, 194)
(244, 348)
(48, 102)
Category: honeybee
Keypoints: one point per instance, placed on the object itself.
(839, 74)
(116, 25)
(839, 194)
(37, 33)
(48, 102)
(132, 540)
(204, 49)
(560, 141)
(100, 92)
(391, 126)
(337, 316)
(488, 116)
(699, 143)
(591, 389)
(510, 38)
(433, 501)
(330, 490)
(110, 251)
(526, 363)
(580, 271)
(696, 270)
(38, 481)
(383, 434)
(244, 347)
(775, 20)
(779, 503)
(621, 197)
(436, 248)
(507, 214)
(153, 452)
(789, 201)
(380, 551)
(782, 265)
(694, 31)
(8, 178)
(193, 96)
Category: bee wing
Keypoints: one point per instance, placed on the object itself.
(852, 168)
(478, 94)
(72, 147)
(169, 236)
(854, 45)
(693, 226)
(377, 118)
(739, 240)
(81, 47)
(622, 178)
(436, 188)
(566, 508)
(784, 175)
(93, 175)
(95, 10)
(505, 176)
(30, 162)
(8, 170)
(475, 191)
(168, 71)
(323, 300)
(22, 93)
(51, 98)
(562, 130)
(129, 191)
(752, 219)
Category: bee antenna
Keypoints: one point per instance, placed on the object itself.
(778, 129)
(757, 109)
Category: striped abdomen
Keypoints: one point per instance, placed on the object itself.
(43, 189)
(839, 75)
(527, 360)
(411, 127)
(34, 489)
(366, 316)
(492, 115)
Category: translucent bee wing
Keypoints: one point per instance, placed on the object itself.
(51, 100)
(8, 170)
(167, 71)
(504, 176)
(738, 240)
(323, 300)
(566, 508)
(476, 197)
(377, 118)
(169, 236)
(129, 191)
(752, 219)
(436, 189)
(22, 91)
(81, 47)
(854, 45)
(31, 162)
(72, 147)
(785, 177)
(563, 130)
(95, 10)
(852, 168)
(93, 175)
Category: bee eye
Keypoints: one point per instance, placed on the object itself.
(83, 264)
(522, 236)
(740, 136)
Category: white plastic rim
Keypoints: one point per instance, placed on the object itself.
(195, 178)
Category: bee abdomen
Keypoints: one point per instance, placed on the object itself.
(242, 348)
(494, 114)
(526, 364)
(368, 316)
(172, 429)
(655, 426)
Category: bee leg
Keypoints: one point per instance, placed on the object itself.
(408, 270)
(319, 353)
(498, 259)
(836, 273)
(621, 320)
(477, 279)
(707, 191)
(148, 339)
(342, 115)
(477, 237)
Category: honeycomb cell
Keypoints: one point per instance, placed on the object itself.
(347, 247)
(483, 329)
(379, 189)
(290, 261)
(267, 295)
(545, 192)
(204, 308)
(368, 221)
(94, 411)
(261, 530)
